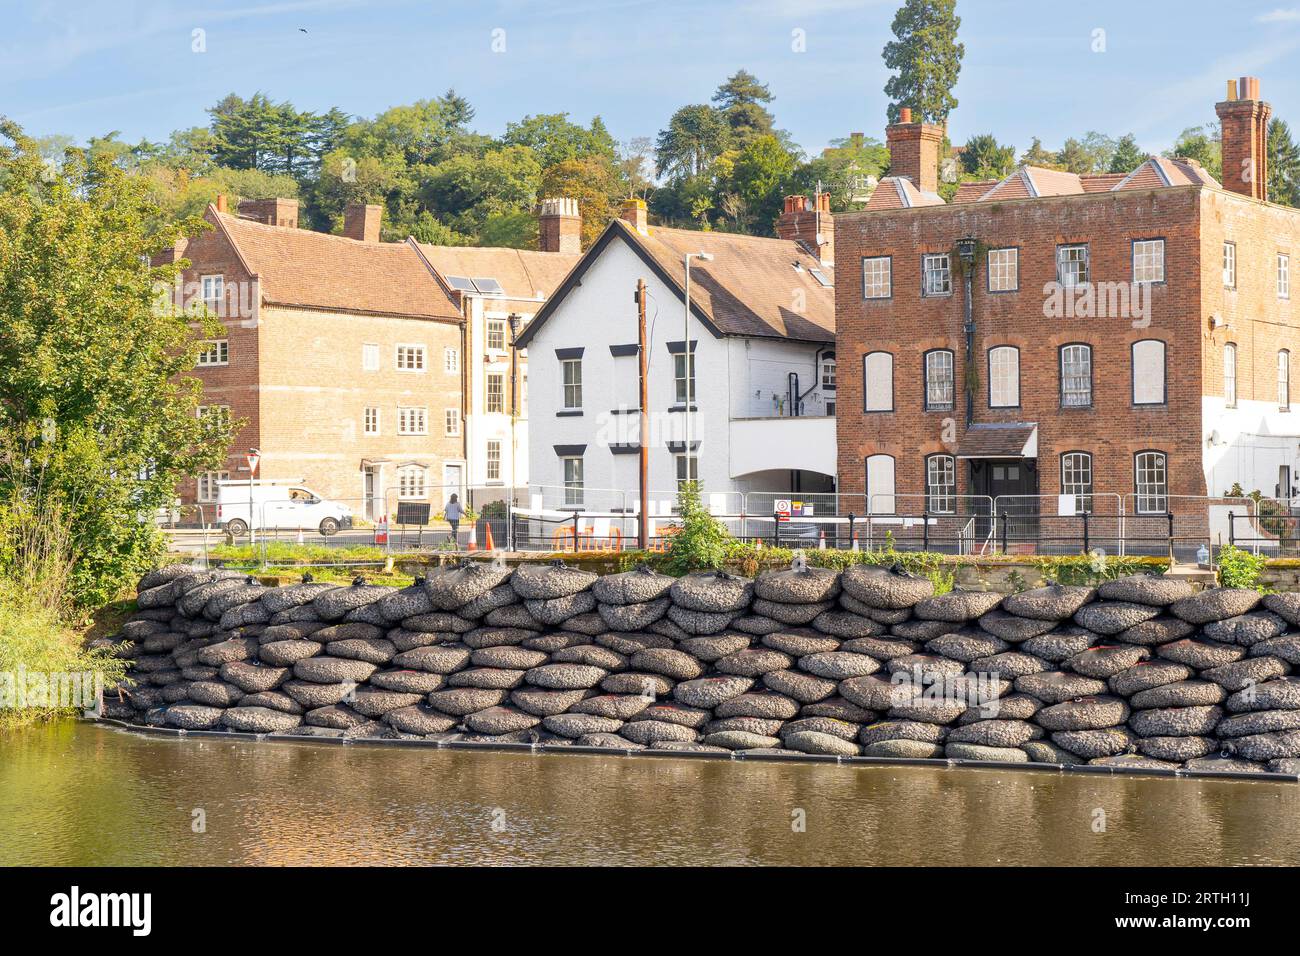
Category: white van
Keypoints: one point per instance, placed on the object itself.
(278, 505)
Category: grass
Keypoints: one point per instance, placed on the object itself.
(284, 552)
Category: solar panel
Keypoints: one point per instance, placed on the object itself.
(461, 283)
(820, 277)
(489, 286)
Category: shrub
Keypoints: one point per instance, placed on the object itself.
(703, 542)
(1239, 568)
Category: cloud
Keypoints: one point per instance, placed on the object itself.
(1280, 15)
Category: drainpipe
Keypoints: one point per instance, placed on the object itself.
(514, 322)
(817, 374)
(792, 393)
(966, 249)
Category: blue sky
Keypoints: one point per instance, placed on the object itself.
(82, 67)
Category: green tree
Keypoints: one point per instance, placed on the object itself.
(1128, 156)
(754, 182)
(926, 60)
(741, 101)
(594, 183)
(695, 137)
(1036, 155)
(1283, 165)
(1087, 156)
(1202, 144)
(93, 383)
(553, 138)
(985, 158)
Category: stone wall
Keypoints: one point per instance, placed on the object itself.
(1142, 672)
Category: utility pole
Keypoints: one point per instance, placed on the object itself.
(643, 524)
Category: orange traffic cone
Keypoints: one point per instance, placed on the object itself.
(473, 538)
(490, 545)
(821, 541)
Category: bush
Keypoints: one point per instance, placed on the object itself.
(702, 543)
(1238, 568)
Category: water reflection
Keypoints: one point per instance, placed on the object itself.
(79, 794)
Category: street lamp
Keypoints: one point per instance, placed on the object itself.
(689, 360)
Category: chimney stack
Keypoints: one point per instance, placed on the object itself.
(914, 151)
(221, 202)
(361, 221)
(633, 212)
(1243, 117)
(813, 228)
(272, 212)
(559, 226)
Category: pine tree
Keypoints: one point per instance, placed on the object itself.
(926, 58)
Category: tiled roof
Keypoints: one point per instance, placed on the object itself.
(1009, 440)
(1160, 171)
(1101, 182)
(898, 192)
(1032, 182)
(314, 270)
(972, 191)
(525, 274)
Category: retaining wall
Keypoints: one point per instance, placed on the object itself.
(1142, 672)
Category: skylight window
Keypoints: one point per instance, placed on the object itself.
(489, 286)
(820, 277)
(461, 283)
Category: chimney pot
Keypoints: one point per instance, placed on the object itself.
(361, 221)
(914, 151)
(559, 226)
(905, 114)
(1232, 91)
(221, 202)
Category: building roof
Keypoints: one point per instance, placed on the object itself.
(1032, 182)
(899, 192)
(972, 191)
(750, 288)
(1160, 171)
(999, 440)
(524, 275)
(315, 270)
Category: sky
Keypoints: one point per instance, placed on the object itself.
(1032, 67)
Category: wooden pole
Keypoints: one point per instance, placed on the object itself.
(643, 525)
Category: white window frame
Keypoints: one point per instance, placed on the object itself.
(411, 357)
(1076, 396)
(450, 359)
(940, 361)
(1076, 479)
(941, 484)
(451, 422)
(494, 329)
(492, 460)
(571, 476)
(1004, 376)
(412, 482)
(1151, 498)
(1283, 275)
(1073, 266)
(680, 468)
(571, 384)
(1284, 380)
(212, 290)
(370, 357)
(220, 348)
(882, 369)
(1004, 270)
(498, 379)
(206, 490)
(828, 373)
(1230, 265)
(412, 420)
(877, 277)
(1230, 375)
(936, 274)
(681, 386)
(370, 420)
(1148, 261)
(221, 412)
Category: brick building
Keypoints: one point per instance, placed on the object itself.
(1085, 336)
(341, 354)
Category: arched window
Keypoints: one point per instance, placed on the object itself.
(1151, 482)
(878, 382)
(1076, 479)
(1230, 375)
(939, 380)
(1149, 372)
(1284, 380)
(940, 484)
(1004, 377)
(1076, 376)
(828, 372)
(410, 481)
(880, 485)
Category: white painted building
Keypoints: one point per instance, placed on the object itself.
(761, 331)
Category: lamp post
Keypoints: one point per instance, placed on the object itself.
(689, 360)
(966, 250)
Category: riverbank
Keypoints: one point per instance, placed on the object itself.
(82, 794)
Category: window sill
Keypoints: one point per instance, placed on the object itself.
(682, 408)
(939, 408)
(569, 413)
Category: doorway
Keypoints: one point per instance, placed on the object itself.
(1015, 480)
(453, 481)
(372, 476)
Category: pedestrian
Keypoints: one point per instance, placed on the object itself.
(453, 513)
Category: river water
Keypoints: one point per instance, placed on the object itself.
(90, 795)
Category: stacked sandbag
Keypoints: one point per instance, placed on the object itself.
(1139, 672)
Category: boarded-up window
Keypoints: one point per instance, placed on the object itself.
(878, 382)
(880, 484)
(1004, 377)
(1149, 372)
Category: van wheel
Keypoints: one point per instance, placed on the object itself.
(237, 527)
(328, 527)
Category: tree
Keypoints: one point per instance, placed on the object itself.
(740, 100)
(844, 170)
(553, 138)
(696, 135)
(93, 366)
(1128, 156)
(755, 182)
(593, 183)
(1088, 156)
(985, 158)
(926, 60)
(1036, 155)
(1202, 144)
(1283, 165)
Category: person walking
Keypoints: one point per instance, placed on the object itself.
(453, 513)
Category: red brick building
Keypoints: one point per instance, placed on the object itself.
(1052, 334)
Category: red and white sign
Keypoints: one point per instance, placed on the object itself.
(252, 463)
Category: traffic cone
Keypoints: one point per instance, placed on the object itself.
(300, 541)
(490, 545)
(473, 537)
(855, 541)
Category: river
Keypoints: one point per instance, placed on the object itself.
(81, 794)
